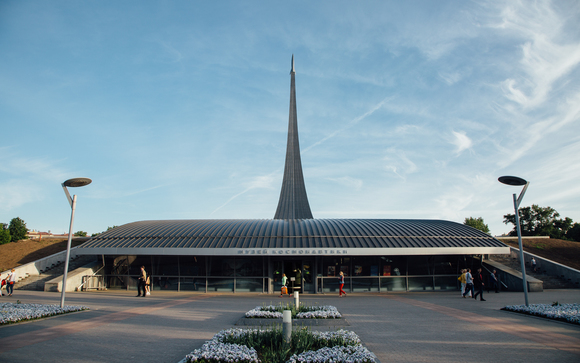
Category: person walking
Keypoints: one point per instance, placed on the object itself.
(10, 281)
(341, 284)
(142, 282)
(284, 288)
(533, 264)
(462, 280)
(494, 283)
(478, 283)
(468, 283)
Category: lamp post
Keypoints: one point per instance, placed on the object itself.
(71, 183)
(516, 181)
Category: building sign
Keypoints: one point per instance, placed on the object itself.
(292, 251)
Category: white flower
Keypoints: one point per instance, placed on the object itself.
(568, 312)
(13, 313)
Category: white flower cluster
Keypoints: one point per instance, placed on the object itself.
(223, 352)
(13, 313)
(316, 312)
(568, 312)
(321, 312)
(263, 312)
(234, 333)
(348, 336)
(349, 354)
(217, 351)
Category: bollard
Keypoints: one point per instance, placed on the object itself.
(287, 325)
(297, 299)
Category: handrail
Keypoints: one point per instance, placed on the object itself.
(94, 274)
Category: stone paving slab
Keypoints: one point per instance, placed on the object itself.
(400, 327)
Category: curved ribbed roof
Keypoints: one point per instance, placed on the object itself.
(225, 236)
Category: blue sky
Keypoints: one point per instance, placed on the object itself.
(179, 109)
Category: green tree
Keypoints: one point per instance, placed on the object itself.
(477, 223)
(4, 234)
(80, 234)
(539, 221)
(573, 233)
(17, 229)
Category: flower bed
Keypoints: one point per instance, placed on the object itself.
(13, 313)
(255, 345)
(564, 312)
(303, 312)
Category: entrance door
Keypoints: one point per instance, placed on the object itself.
(293, 271)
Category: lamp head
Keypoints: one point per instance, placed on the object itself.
(512, 180)
(77, 182)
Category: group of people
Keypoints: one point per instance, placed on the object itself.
(472, 282)
(144, 283)
(9, 282)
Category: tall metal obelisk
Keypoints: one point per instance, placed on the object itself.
(293, 203)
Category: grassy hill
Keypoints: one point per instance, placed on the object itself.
(564, 252)
(14, 254)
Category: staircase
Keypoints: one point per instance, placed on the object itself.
(550, 282)
(36, 282)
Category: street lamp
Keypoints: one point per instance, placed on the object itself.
(71, 183)
(516, 181)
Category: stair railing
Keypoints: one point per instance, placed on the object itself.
(87, 278)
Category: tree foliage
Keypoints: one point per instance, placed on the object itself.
(540, 221)
(80, 234)
(573, 233)
(477, 223)
(4, 234)
(18, 230)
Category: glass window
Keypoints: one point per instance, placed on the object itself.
(393, 283)
(192, 266)
(420, 265)
(192, 284)
(366, 266)
(165, 266)
(445, 265)
(249, 284)
(169, 283)
(220, 284)
(135, 263)
(447, 283)
(332, 266)
(221, 266)
(116, 265)
(420, 283)
(392, 266)
(250, 266)
(364, 284)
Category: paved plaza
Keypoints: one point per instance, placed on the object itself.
(397, 327)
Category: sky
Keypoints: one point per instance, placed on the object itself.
(179, 109)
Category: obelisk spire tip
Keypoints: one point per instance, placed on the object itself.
(292, 70)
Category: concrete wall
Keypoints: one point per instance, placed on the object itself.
(512, 278)
(73, 278)
(39, 266)
(552, 268)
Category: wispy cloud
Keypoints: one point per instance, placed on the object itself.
(259, 182)
(461, 141)
(350, 124)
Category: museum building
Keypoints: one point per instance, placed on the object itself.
(248, 255)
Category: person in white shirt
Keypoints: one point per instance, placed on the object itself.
(10, 280)
(468, 283)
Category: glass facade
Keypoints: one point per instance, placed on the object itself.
(263, 274)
